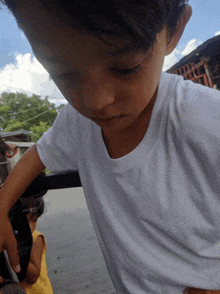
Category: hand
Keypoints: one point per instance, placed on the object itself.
(8, 242)
(200, 291)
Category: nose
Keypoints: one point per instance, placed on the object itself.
(98, 90)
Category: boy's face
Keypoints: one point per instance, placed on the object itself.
(111, 90)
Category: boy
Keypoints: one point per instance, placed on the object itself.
(145, 143)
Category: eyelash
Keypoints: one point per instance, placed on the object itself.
(126, 72)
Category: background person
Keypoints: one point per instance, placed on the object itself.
(37, 280)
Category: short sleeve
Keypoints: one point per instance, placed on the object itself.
(57, 147)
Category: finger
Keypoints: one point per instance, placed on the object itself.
(189, 291)
(1, 280)
(199, 291)
(12, 251)
(193, 291)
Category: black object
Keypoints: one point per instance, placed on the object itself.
(5, 269)
(18, 218)
(23, 236)
(43, 183)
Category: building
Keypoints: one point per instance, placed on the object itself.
(17, 136)
(12, 146)
(202, 65)
(20, 138)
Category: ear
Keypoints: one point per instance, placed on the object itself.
(184, 18)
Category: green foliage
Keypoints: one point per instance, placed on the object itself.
(18, 111)
(39, 130)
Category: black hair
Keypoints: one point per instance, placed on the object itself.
(32, 205)
(10, 287)
(135, 20)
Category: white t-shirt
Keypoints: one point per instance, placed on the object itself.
(156, 211)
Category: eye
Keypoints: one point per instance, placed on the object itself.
(126, 72)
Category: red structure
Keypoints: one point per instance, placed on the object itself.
(198, 73)
(202, 65)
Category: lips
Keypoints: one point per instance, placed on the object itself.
(107, 121)
(104, 118)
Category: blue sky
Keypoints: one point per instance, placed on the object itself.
(205, 21)
(16, 58)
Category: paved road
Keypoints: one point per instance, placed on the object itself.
(75, 262)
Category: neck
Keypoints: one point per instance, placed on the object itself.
(122, 142)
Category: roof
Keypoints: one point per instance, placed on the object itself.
(20, 144)
(210, 48)
(15, 133)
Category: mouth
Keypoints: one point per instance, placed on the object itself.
(107, 121)
(104, 118)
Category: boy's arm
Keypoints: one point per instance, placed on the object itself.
(25, 171)
(200, 291)
(34, 266)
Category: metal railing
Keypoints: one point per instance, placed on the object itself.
(198, 73)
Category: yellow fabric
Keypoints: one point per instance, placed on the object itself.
(43, 285)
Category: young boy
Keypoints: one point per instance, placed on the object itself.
(145, 143)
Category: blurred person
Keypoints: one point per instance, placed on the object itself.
(37, 280)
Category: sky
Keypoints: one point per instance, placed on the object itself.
(21, 72)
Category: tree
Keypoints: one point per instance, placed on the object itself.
(39, 130)
(18, 111)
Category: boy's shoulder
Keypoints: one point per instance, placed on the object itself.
(188, 91)
(197, 100)
(187, 95)
(193, 108)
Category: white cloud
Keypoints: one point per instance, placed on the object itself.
(27, 75)
(171, 59)
(180, 52)
(191, 45)
(217, 33)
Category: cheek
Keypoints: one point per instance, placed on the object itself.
(67, 91)
(139, 93)
(71, 92)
